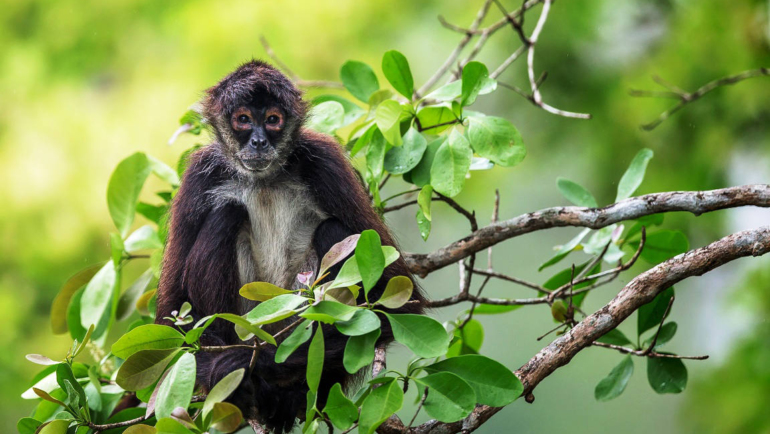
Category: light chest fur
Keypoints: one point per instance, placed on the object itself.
(276, 243)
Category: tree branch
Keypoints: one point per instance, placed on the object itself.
(696, 202)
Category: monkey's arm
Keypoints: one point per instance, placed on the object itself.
(340, 193)
(190, 210)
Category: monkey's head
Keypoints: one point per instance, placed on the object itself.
(256, 113)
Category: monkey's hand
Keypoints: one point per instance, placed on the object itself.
(213, 368)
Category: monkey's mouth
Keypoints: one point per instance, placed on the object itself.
(256, 164)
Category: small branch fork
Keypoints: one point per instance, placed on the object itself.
(685, 97)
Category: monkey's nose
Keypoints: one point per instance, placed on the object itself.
(259, 144)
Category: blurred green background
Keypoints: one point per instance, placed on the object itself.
(85, 83)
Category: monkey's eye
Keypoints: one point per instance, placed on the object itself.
(243, 119)
(273, 119)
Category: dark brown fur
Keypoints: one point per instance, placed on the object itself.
(200, 260)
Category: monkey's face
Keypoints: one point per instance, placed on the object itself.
(260, 136)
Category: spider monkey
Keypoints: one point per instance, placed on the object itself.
(263, 202)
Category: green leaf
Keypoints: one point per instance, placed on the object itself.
(662, 245)
(58, 426)
(329, 312)
(144, 238)
(163, 171)
(359, 79)
(168, 425)
(396, 70)
(423, 224)
(634, 175)
(451, 164)
(424, 200)
(123, 190)
(194, 119)
(315, 360)
(381, 403)
(143, 368)
(494, 384)
(467, 340)
(453, 90)
(615, 337)
(140, 429)
(565, 250)
(421, 173)
(341, 411)
(576, 193)
(275, 309)
(67, 381)
(667, 333)
(666, 375)
(397, 292)
(388, 119)
(404, 158)
(435, 119)
(326, 117)
(61, 303)
(493, 309)
(615, 383)
(474, 76)
(176, 390)
(651, 314)
(261, 291)
(128, 300)
(245, 328)
(352, 111)
(27, 425)
(496, 139)
(347, 295)
(359, 351)
(363, 322)
(375, 156)
(423, 335)
(299, 336)
(348, 275)
(226, 417)
(449, 397)
(98, 296)
(338, 252)
(222, 390)
(369, 258)
(147, 337)
(154, 213)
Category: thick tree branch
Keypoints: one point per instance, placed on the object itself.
(696, 202)
(639, 291)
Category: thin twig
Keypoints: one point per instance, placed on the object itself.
(660, 326)
(689, 97)
(456, 52)
(644, 353)
(419, 407)
(512, 279)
